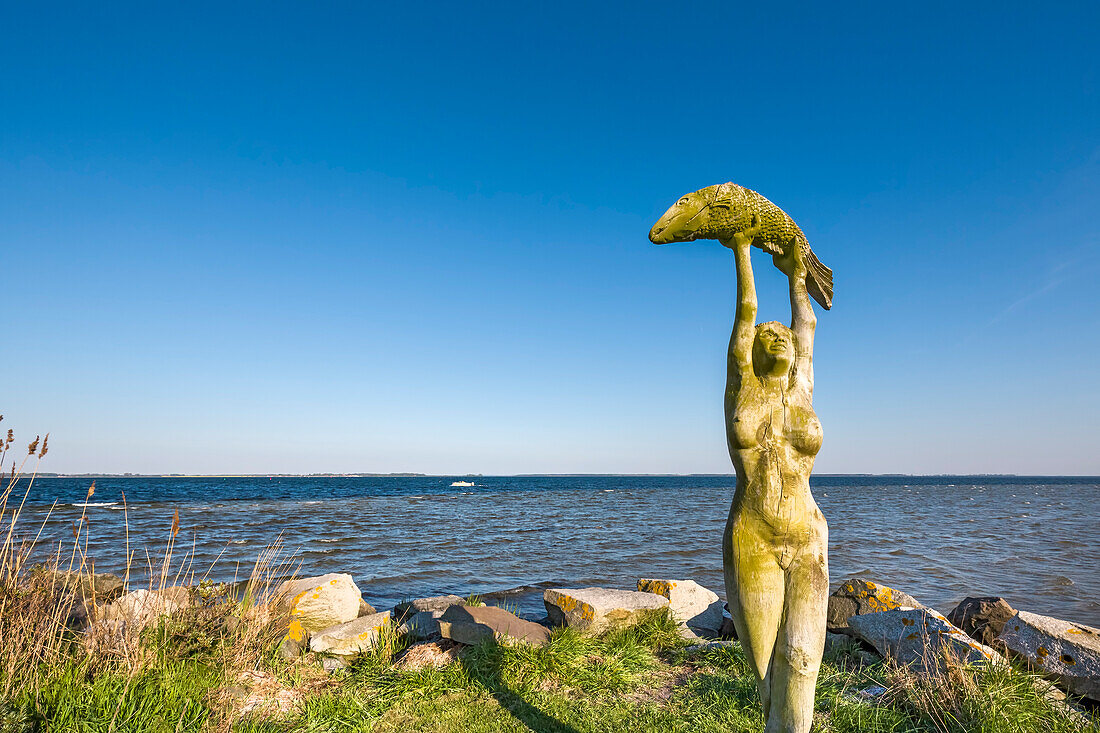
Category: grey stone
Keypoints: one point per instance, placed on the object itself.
(434, 603)
(421, 625)
(289, 649)
(140, 608)
(866, 658)
(728, 630)
(870, 694)
(104, 587)
(1069, 653)
(472, 624)
(351, 638)
(708, 645)
(593, 610)
(690, 603)
(919, 637)
(366, 609)
(858, 596)
(333, 664)
(839, 643)
(982, 618)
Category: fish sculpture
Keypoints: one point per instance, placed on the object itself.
(719, 212)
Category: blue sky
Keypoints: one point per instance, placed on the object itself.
(364, 237)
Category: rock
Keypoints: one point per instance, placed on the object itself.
(1068, 652)
(428, 655)
(690, 603)
(178, 594)
(691, 636)
(728, 630)
(353, 637)
(434, 603)
(333, 664)
(104, 587)
(920, 637)
(140, 608)
(706, 646)
(289, 649)
(866, 658)
(366, 609)
(472, 624)
(421, 625)
(318, 603)
(857, 596)
(839, 643)
(81, 594)
(870, 694)
(594, 610)
(982, 618)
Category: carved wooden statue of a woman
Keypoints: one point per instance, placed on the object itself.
(775, 547)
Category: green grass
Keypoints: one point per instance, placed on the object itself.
(639, 679)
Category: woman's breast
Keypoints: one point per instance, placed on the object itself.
(804, 430)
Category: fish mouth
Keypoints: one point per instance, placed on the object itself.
(667, 232)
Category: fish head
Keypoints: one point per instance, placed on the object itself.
(696, 215)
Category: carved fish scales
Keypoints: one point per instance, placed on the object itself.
(719, 212)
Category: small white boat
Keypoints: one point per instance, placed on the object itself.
(463, 483)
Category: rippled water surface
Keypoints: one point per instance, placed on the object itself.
(1034, 541)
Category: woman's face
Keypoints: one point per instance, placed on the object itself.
(776, 348)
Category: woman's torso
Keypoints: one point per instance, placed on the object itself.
(774, 436)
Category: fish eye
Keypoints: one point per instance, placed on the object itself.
(682, 201)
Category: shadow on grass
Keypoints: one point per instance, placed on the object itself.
(486, 669)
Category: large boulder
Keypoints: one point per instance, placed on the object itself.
(857, 596)
(351, 638)
(919, 637)
(1068, 652)
(437, 604)
(593, 610)
(472, 624)
(318, 603)
(982, 618)
(691, 604)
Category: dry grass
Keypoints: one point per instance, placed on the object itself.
(54, 614)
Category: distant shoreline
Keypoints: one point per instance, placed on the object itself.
(533, 475)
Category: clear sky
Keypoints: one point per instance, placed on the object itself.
(413, 236)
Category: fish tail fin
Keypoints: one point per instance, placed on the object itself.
(819, 280)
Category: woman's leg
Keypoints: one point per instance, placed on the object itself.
(754, 589)
(800, 643)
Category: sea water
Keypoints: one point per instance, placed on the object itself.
(1035, 541)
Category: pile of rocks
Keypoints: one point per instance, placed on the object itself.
(327, 614)
(325, 617)
(981, 630)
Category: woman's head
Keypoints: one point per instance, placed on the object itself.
(773, 349)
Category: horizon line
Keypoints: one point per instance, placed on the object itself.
(409, 474)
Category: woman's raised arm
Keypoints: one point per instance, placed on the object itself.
(803, 323)
(744, 326)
